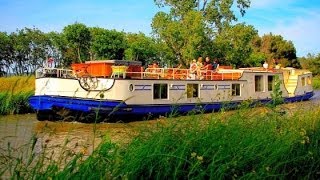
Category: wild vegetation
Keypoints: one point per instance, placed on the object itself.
(14, 94)
(312, 63)
(247, 143)
(316, 82)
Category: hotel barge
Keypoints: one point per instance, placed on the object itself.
(113, 88)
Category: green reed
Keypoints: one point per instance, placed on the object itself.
(15, 103)
(263, 146)
(14, 94)
(246, 143)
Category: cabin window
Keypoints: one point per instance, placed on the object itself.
(235, 89)
(160, 91)
(271, 83)
(192, 90)
(309, 80)
(258, 83)
(303, 81)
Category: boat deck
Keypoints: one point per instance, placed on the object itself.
(122, 72)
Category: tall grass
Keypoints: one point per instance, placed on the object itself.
(316, 82)
(16, 84)
(14, 94)
(262, 146)
(246, 143)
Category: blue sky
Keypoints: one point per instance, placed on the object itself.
(295, 20)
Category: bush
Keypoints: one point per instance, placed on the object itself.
(316, 82)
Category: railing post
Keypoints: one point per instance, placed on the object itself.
(173, 73)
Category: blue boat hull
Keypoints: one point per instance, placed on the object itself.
(107, 108)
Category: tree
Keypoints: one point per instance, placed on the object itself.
(59, 49)
(23, 51)
(215, 12)
(141, 48)
(78, 37)
(234, 45)
(39, 44)
(184, 38)
(278, 49)
(30, 50)
(187, 29)
(6, 53)
(107, 44)
(311, 62)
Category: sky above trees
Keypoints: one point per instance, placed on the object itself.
(296, 20)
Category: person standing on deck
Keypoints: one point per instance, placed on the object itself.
(199, 67)
(193, 69)
(50, 62)
(206, 69)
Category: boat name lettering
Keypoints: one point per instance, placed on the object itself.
(224, 86)
(177, 87)
(142, 87)
(208, 87)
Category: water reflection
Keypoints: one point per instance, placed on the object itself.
(19, 132)
(16, 129)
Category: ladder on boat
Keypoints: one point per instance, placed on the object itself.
(291, 84)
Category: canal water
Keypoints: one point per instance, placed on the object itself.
(19, 131)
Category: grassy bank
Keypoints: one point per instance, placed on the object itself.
(14, 94)
(247, 143)
(316, 82)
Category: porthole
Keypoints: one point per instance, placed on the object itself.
(131, 87)
(101, 95)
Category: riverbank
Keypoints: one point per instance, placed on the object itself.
(14, 94)
(256, 143)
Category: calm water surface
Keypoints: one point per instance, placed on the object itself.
(18, 130)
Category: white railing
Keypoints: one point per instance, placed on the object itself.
(177, 73)
(153, 73)
(54, 72)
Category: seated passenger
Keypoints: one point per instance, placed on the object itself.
(154, 67)
(215, 65)
(207, 64)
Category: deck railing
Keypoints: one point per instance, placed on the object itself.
(149, 73)
(177, 73)
(54, 72)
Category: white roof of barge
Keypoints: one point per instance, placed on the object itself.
(117, 62)
(259, 69)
